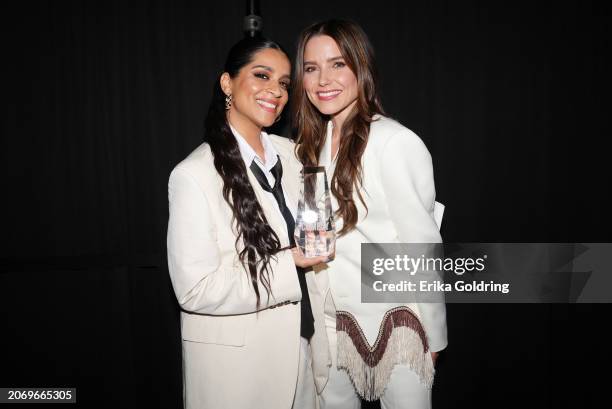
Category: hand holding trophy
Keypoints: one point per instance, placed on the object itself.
(315, 233)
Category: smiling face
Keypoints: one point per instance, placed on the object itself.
(330, 84)
(259, 91)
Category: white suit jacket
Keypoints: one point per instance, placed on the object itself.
(398, 188)
(234, 357)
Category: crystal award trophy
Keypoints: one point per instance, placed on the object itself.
(314, 226)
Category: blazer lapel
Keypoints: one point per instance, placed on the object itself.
(291, 181)
(325, 158)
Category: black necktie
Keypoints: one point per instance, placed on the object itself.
(307, 322)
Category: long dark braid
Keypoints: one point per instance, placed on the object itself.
(261, 243)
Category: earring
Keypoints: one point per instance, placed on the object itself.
(278, 118)
(228, 102)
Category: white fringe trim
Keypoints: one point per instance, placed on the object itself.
(404, 347)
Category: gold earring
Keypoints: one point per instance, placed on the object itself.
(228, 101)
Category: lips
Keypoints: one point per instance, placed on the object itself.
(267, 105)
(328, 95)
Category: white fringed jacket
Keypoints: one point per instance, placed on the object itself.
(398, 188)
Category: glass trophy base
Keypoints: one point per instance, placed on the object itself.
(316, 243)
(314, 224)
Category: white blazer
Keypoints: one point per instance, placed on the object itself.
(398, 188)
(234, 357)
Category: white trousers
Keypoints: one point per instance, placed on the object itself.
(305, 392)
(404, 390)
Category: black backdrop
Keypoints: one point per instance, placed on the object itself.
(103, 98)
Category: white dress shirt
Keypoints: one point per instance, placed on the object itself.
(271, 157)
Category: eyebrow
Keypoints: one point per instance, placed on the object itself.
(265, 67)
(328, 60)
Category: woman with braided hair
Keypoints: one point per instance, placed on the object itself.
(246, 319)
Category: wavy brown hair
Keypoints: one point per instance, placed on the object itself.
(310, 124)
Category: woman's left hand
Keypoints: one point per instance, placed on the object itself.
(304, 262)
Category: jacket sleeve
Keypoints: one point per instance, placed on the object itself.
(408, 183)
(202, 283)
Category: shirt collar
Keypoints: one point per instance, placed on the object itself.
(248, 153)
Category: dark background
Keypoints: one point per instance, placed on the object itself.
(102, 99)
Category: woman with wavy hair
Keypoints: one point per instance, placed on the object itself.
(383, 192)
(245, 313)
